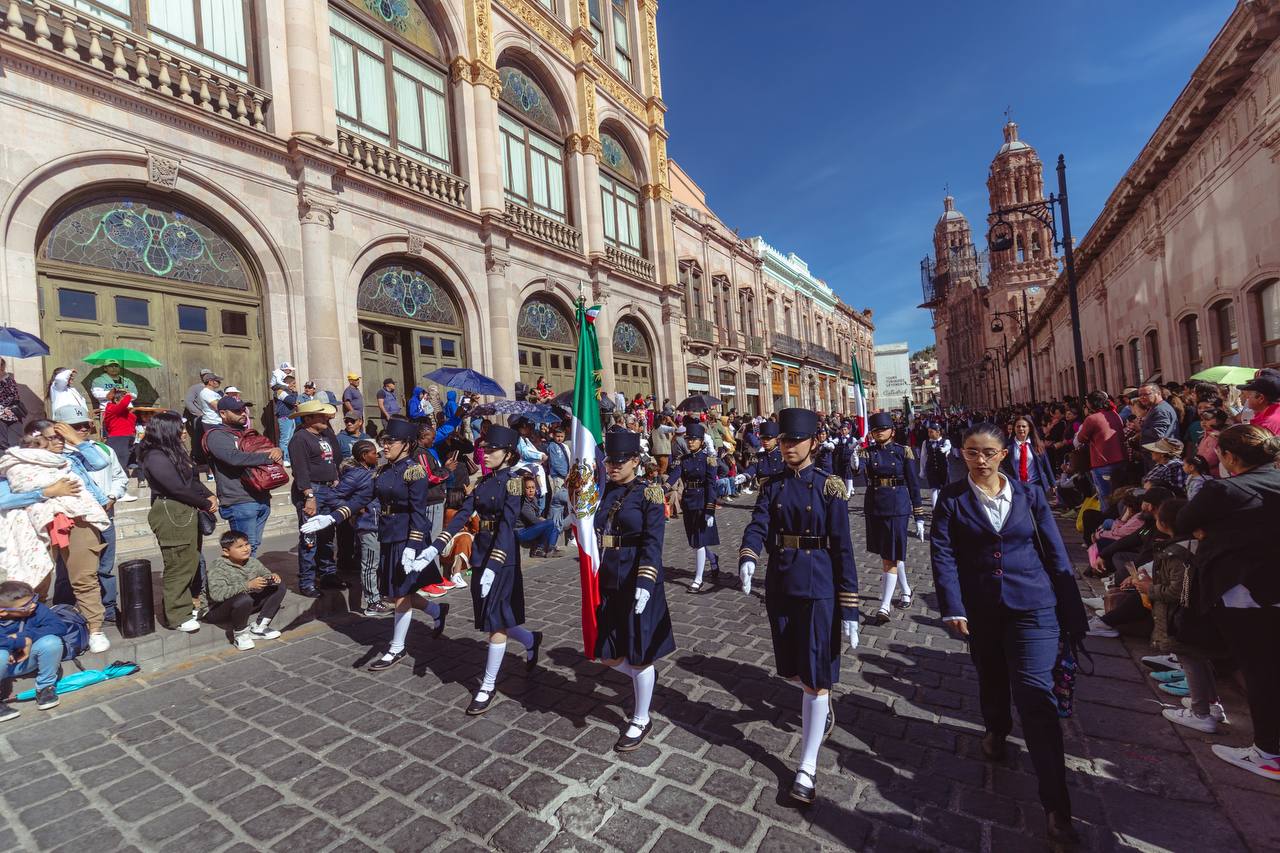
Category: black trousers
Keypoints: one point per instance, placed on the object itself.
(1253, 634)
(266, 603)
(1014, 652)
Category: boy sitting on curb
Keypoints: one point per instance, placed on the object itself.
(30, 640)
(239, 586)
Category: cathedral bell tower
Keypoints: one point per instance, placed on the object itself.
(1017, 177)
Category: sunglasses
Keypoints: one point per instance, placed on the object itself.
(35, 598)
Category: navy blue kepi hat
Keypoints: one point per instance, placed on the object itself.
(500, 438)
(621, 445)
(400, 430)
(797, 423)
(695, 431)
(880, 420)
(769, 429)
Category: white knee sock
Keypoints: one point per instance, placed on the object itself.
(524, 637)
(886, 596)
(848, 487)
(491, 666)
(400, 631)
(701, 561)
(625, 668)
(642, 680)
(814, 724)
(933, 498)
(902, 578)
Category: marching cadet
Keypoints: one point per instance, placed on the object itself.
(933, 461)
(400, 489)
(822, 457)
(633, 625)
(893, 496)
(845, 456)
(801, 521)
(498, 595)
(768, 462)
(698, 471)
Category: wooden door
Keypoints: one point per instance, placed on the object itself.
(381, 357)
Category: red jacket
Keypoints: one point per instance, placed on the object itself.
(118, 418)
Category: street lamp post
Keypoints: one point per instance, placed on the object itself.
(1000, 239)
(991, 360)
(997, 325)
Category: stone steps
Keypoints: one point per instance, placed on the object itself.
(133, 533)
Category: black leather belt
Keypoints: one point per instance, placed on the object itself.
(888, 481)
(629, 540)
(489, 525)
(792, 540)
(396, 509)
(694, 482)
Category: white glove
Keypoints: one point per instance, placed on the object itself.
(746, 571)
(642, 600)
(486, 581)
(711, 521)
(851, 631)
(316, 523)
(740, 479)
(920, 529)
(427, 557)
(408, 559)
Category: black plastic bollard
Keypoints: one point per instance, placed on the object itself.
(136, 607)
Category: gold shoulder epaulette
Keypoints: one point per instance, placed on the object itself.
(414, 472)
(907, 450)
(653, 494)
(515, 486)
(834, 487)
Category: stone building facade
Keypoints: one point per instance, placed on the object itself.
(1181, 270)
(346, 185)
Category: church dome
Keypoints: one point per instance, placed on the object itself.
(1012, 142)
(949, 212)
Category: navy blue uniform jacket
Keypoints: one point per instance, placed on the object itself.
(891, 460)
(976, 568)
(767, 464)
(1039, 470)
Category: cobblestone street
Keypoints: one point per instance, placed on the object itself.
(296, 747)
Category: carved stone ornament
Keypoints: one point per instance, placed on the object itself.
(317, 208)
(162, 172)
(417, 243)
(496, 262)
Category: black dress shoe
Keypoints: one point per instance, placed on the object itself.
(993, 748)
(630, 744)
(881, 618)
(478, 706)
(532, 660)
(439, 629)
(801, 791)
(1059, 829)
(309, 592)
(385, 662)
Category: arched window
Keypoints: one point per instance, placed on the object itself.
(620, 196)
(611, 26)
(547, 343)
(1036, 248)
(1190, 329)
(1268, 301)
(533, 171)
(1152, 343)
(407, 293)
(389, 82)
(1223, 318)
(1102, 372)
(215, 33)
(632, 359)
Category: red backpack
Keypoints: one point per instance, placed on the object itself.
(259, 478)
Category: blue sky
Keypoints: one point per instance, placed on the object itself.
(832, 126)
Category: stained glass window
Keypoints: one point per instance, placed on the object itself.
(540, 320)
(528, 99)
(408, 293)
(629, 340)
(615, 157)
(146, 238)
(406, 18)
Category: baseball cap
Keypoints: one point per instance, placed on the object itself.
(71, 414)
(230, 404)
(350, 418)
(231, 389)
(205, 371)
(351, 376)
(286, 366)
(1267, 384)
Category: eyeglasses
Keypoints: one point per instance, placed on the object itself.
(972, 453)
(54, 437)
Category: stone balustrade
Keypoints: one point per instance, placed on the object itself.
(391, 165)
(701, 330)
(130, 58)
(631, 264)
(755, 345)
(542, 227)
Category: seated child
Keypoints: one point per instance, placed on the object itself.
(239, 586)
(532, 527)
(30, 641)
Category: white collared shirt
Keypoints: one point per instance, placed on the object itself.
(996, 507)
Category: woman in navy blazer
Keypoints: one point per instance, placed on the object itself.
(1039, 468)
(1005, 583)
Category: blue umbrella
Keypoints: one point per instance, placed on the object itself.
(15, 343)
(506, 407)
(465, 379)
(543, 414)
(86, 678)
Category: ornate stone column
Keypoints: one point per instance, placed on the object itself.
(306, 62)
(485, 93)
(316, 212)
(503, 337)
(604, 327)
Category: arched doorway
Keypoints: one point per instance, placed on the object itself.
(547, 343)
(154, 275)
(632, 360)
(409, 326)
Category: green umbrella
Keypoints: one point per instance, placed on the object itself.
(125, 356)
(1225, 374)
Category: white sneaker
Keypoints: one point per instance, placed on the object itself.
(98, 642)
(1187, 717)
(1161, 662)
(1092, 603)
(747, 492)
(1215, 710)
(127, 499)
(265, 632)
(1098, 628)
(244, 641)
(1250, 758)
(190, 626)
(459, 581)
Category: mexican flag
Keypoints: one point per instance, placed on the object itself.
(586, 435)
(859, 402)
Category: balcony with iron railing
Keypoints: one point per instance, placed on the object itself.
(630, 263)
(727, 338)
(543, 228)
(822, 355)
(788, 345)
(755, 345)
(412, 174)
(701, 330)
(120, 55)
